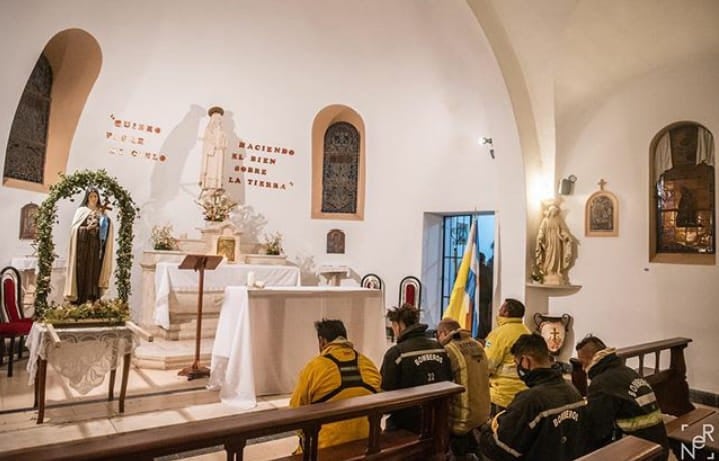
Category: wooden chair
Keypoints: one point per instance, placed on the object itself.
(372, 281)
(375, 282)
(14, 324)
(410, 292)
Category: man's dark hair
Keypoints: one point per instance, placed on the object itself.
(406, 313)
(330, 329)
(532, 345)
(593, 342)
(515, 308)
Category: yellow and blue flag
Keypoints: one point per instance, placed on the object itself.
(464, 301)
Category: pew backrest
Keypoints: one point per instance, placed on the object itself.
(233, 431)
(670, 384)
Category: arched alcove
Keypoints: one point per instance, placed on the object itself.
(74, 59)
(338, 148)
(682, 213)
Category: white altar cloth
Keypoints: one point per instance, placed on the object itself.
(265, 336)
(168, 277)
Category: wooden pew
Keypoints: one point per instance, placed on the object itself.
(670, 385)
(232, 432)
(696, 440)
(628, 448)
(688, 419)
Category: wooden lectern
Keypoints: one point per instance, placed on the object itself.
(198, 263)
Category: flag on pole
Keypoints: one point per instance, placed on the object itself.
(464, 301)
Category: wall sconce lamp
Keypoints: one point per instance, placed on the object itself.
(566, 185)
(486, 140)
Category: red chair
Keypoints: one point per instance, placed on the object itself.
(410, 292)
(14, 324)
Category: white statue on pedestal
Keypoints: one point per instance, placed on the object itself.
(554, 254)
(213, 151)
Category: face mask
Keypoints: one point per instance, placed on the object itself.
(521, 371)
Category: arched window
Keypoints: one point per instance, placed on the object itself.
(683, 215)
(338, 164)
(49, 109)
(340, 168)
(25, 155)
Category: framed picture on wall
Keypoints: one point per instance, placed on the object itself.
(28, 226)
(601, 214)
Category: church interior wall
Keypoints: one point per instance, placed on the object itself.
(625, 298)
(427, 85)
(421, 75)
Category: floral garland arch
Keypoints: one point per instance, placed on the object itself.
(68, 186)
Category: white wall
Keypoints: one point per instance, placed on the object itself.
(419, 73)
(624, 298)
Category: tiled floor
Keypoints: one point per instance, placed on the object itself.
(155, 398)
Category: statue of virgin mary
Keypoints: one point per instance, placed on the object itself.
(213, 151)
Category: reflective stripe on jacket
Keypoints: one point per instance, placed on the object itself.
(469, 366)
(321, 376)
(542, 423)
(415, 360)
(620, 401)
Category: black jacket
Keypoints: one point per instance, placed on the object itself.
(621, 402)
(543, 423)
(415, 360)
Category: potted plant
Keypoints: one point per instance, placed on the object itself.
(271, 251)
(162, 238)
(216, 207)
(273, 244)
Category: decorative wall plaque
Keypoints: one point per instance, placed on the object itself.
(335, 241)
(28, 226)
(553, 330)
(601, 214)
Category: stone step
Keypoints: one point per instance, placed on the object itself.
(163, 354)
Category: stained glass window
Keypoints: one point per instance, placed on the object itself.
(684, 190)
(340, 168)
(25, 155)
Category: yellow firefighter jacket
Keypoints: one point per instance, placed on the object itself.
(504, 383)
(321, 381)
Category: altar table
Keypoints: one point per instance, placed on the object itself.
(266, 336)
(84, 357)
(168, 277)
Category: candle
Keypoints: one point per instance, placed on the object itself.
(250, 279)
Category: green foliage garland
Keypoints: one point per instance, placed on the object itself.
(113, 194)
(111, 311)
